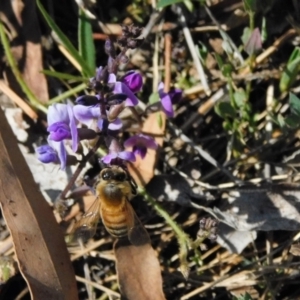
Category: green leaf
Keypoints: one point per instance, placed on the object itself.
(291, 70)
(203, 52)
(85, 40)
(224, 110)
(66, 42)
(294, 104)
(63, 76)
(240, 98)
(292, 121)
(154, 97)
(160, 120)
(219, 61)
(246, 35)
(227, 70)
(281, 121)
(164, 3)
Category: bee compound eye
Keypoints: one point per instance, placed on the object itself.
(106, 175)
(120, 177)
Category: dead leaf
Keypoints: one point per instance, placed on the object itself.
(233, 240)
(138, 271)
(268, 207)
(142, 170)
(39, 244)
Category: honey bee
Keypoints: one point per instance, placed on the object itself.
(114, 189)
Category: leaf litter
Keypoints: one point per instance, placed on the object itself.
(246, 180)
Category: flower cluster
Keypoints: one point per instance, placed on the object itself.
(98, 114)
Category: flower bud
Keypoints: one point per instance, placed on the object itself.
(47, 154)
(108, 47)
(133, 80)
(114, 111)
(136, 31)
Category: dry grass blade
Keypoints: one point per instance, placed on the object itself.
(19, 101)
(138, 271)
(39, 245)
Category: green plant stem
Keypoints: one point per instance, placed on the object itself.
(184, 240)
(67, 94)
(179, 232)
(12, 63)
(251, 20)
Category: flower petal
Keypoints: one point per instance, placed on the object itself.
(141, 151)
(133, 80)
(73, 128)
(127, 155)
(59, 131)
(57, 113)
(121, 88)
(109, 157)
(167, 105)
(61, 151)
(132, 141)
(86, 114)
(161, 87)
(115, 125)
(46, 154)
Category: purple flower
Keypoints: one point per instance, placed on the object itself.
(121, 88)
(55, 152)
(47, 154)
(62, 124)
(133, 80)
(114, 156)
(168, 99)
(140, 143)
(60, 149)
(87, 114)
(115, 125)
(90, 115)
(88, 100)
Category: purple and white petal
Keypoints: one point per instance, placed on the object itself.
(115, 125)
(57, 113)
(73, 128)
(127, 155)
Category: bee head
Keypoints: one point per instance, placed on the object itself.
(118, 176)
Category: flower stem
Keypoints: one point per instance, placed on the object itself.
(79, 169)
(184, 240)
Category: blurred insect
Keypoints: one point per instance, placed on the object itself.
(114, 189)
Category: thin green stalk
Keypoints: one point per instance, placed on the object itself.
(12, 63)
(251, 20)
(67, 94)
(184, 240)
(179, 232)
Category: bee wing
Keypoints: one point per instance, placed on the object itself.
(85, 228)
(137, 234)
